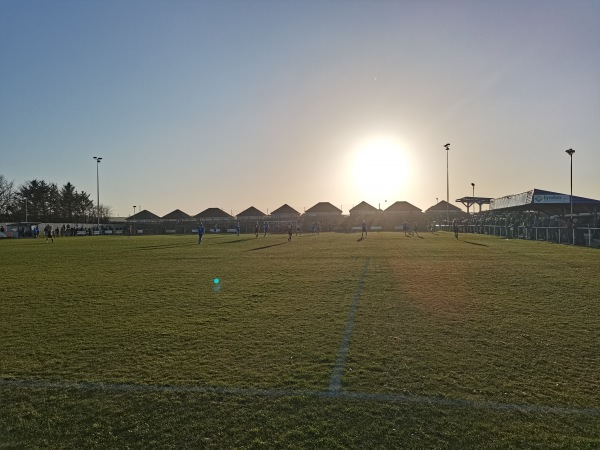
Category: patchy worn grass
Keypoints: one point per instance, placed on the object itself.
(129, 342)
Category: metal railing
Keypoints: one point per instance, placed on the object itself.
(559, 235)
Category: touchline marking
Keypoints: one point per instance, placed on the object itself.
(335, 382)
(278, 393)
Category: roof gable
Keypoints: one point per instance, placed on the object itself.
(363, 207)
(213, 213)
(285, 210)
(402, 207)
(324, 207)
(177, 214)
(443, 206)
(144, 215)
(251, 212)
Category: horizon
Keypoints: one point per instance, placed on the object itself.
(286, 101)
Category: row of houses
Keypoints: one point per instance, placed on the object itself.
(323, 216)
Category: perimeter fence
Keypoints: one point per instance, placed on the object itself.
(587, 236)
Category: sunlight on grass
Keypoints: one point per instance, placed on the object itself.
(507, 322)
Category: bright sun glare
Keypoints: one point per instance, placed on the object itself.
(380, 169)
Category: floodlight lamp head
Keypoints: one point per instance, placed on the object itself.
(570, 151)
(447, 146)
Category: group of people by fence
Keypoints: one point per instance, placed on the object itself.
(581, 230)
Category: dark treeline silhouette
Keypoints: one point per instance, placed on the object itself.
(40, 201)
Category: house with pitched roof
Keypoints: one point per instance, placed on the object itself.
(282, 216)
(402, 208)
(215, 220)
(363, 209)
(400, 212)
(249, 217)
(442, 211)
(177, 222)
(285, 212)
(324, 215)
(145, 222)
(363, 212)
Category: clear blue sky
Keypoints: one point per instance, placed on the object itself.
(231, 104)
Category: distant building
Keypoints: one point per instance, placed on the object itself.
(324, 214)
(285, 212)
(215, 220)
(249, 217)
(145, 222)
(363, 209)
(177, 222)
(442, 211)
(400, 212)
(282, 216)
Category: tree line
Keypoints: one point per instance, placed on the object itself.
(40, 201)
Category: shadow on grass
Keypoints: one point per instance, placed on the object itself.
(474, 243)
(237, 241)
(266, 246)
(155, 247)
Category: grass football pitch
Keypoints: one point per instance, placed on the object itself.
(328, 341)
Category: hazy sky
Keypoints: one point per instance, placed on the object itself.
(232, 104)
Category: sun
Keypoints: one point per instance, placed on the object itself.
(380, 169)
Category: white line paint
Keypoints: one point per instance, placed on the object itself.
(335, 383)
(337, 395)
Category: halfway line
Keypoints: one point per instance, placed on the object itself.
(335, 382)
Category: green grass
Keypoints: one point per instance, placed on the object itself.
(116, 342)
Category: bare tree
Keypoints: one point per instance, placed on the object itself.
(105, 212)
(7, 197)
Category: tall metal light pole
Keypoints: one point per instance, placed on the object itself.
(133, 219)
(98, 159)
(570, 153)
(473, 184)
(447, 146)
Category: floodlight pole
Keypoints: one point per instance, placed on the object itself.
(447, 146)
(570, 153)
(134, 219)
(98, 159)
